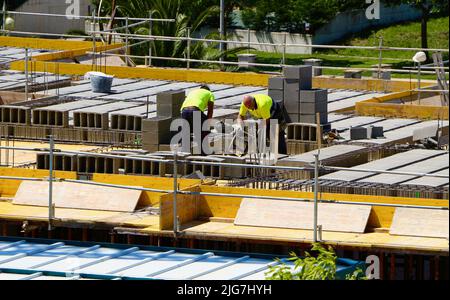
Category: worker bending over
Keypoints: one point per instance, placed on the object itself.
(262, 107)
(196, 103)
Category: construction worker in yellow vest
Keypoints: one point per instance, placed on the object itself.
(198, 101)
(263, 107)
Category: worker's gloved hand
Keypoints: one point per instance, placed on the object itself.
(238, 128)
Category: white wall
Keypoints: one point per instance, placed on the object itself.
(272, 38)
(239, 35)
(59, 25)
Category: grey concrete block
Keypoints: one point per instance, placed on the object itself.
(358, 133)
(291, 95)
(385, 75)
(377, 132)
(313, 108)
(276, 83)
(313, 96)
(276, 95)
(292, 106)
(165, 110)
(157, 130)
(168, 104)
(356, 74)
(294, 118)
(301, 73)
(315, 63)
(291, 85)
(311, 118)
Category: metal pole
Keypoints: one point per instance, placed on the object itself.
(50, 185)
(418, 82)
(380, 58)
(150, 32)
(316, 194)
(126, 41)
(148, 107)
(284, 49)
(175, 191)
(222, 26)
(26, 74)
(248, 40)
(4, 15)
(188, 48)
(94, 57)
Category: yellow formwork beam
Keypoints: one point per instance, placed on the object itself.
(250, 79)
(73, 53)
(368, 84)
(402, 111)
(187, 208)
(38, 43)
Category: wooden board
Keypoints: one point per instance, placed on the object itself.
(78, 196)
(300, 215)
(420, 222)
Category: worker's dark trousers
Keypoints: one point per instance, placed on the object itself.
(188, 115)
(276, 112)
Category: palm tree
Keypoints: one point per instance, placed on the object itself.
(169, 9)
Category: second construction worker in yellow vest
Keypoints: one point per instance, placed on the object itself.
(198, 101)
(263, 107)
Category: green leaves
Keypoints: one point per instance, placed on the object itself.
(321, 266)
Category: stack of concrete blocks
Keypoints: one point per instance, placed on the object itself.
(311, 103)
(155, 131)
(300, 100)
(156, 134)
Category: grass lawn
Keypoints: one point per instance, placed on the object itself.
(406, 35)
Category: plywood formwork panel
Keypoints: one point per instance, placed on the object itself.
(78, 196)
(420, 222)
(299, 215)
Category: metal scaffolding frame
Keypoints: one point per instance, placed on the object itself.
(176, 160)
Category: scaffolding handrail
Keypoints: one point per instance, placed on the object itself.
(194, 193)
(218, 164)
(175, 39)
(250, 64)
(85, 17)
